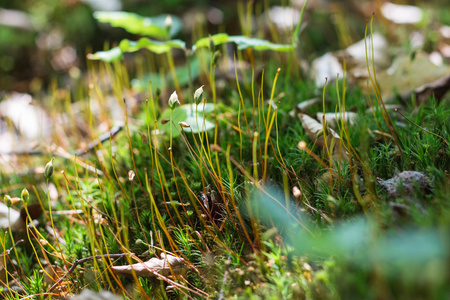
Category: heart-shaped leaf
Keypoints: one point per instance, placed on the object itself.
(110, 55)
(157, 47)
(136, 24)
(187, 113)
(243, 42)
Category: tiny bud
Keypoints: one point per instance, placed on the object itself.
(25, 195)
(198, 95)
(48, 172)
(164, 121)
(168, 23)
(302, 145)
(43, 242)
(131, 175)
(184, 124)
(139, 242)
(173, 100)
(296, 192)
(8, 201)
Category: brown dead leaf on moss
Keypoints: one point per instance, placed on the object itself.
(166, 265)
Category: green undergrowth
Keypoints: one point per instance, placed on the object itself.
(253, 212)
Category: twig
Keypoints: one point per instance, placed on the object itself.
(10, 249)
(82, 261)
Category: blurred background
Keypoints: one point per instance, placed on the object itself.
(42, 39)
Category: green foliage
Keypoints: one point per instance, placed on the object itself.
(136, 24)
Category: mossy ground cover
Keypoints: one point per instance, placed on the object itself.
(258, 206)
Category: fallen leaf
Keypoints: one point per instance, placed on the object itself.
(91, 295)
(52, 274)
(161, 265)
(332, 118)
(304, 105)
(314, 130)
(327, 66)
(401, 14)
(17, 219)
(437, 88)
(406, 74)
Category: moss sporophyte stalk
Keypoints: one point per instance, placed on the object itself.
(48, 172)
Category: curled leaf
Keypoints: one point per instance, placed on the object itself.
(316, 134)
(136, 24)
(333, 118)
(164, 266)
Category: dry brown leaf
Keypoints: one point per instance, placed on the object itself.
(304, 105)
(161, 265)
(405, 75)
(16, 218)
(91, 295)
(332, 118)
(314, 130)
(52, 274)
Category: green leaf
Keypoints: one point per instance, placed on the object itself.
(218, 39)
(110, 55)
(178, 116)
(157, 47)
(136, 24)
(158, 79)
(244, 42)
(186, 113)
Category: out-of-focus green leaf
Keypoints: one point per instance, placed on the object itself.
(157, 47)
(244, 42)
(136, 24)
(186, 113)
(158, 80)
(356, 241)
(218, 39)
(178, 116)
(110, 55)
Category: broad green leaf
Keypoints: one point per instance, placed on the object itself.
(195, 116)
(186, 113)
(218, 39)
(110, 55)
(158, 80)
(157, 47)
(244, 42)
(141, 85)
(203, 124)
(178, 116)
(136, 24)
